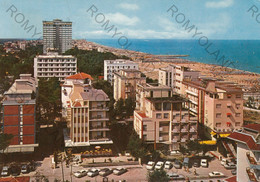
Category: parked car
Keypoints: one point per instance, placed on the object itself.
(150, 165)
(196, 163)
(186, 162)
(105, 172)
(168, 165)
(5, 171)
(224, 161)
(175, 176)
(177, 164)
(81, 173)
(159, 165)
(93, 172)
(204, 162)
(234, 172)
(15, 170)
(230, 165)
(174, 152)
(216, 174)
(119, 171)
(25, 168)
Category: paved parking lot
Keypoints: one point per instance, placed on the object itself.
(135, 173)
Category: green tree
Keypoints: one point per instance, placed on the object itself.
(5, 140)
(158, 176)
(49, 100)
(136, 146)
(129, 107)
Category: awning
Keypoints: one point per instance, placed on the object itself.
(208, 142)
(228, 114)
(224, 135)
(213, 133)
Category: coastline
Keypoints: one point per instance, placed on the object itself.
(150, 64)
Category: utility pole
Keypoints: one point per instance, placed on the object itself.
(71, 173)
(62, 169)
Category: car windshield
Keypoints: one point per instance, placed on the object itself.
(23, 167)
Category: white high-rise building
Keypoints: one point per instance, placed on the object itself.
(54, 65)
(111, 66)
(57, 35)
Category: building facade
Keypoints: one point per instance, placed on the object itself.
(163, 118)
(173, 75)
(19, 114)
(54, 65)
(218, 105)
(248, 153)
(57, 36)
(112, 66)
(125, 82)
(87, 116)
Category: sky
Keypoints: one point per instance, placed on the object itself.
(135, 19)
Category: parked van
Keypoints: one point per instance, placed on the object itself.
(186, 162)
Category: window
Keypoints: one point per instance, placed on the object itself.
(218, 124)
(166, 115)
(238, 96)
(158, 106)
(237, 124)
(166, 106)
(218, 115)
(237, 114)
(158, 116)
(237, 106)
(145, 137)
(218, 105)
(144, 127)
(229, 96)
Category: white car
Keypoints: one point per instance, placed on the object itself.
(150, 165)
(204, 163)
(224, 161)
(5, 171)
(81, 173)
(216, 174)
(93, 172)
(168, 165)
(119, 171)
(159, 165)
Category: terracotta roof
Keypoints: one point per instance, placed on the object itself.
(142, 115)
(245, 138)
(80, 76)
(15, 179)
(254, 127)
(231, 179)
(77, 104)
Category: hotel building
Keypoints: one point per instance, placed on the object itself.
(57, 36)
(163, 118)
(125, 82)
(173, 76)
(218, 105)
(19, 114)
(87, 116)
(112, 66)
(248, 153)
(54, 65)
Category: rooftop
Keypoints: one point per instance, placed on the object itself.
(173, 98)
(80, 76)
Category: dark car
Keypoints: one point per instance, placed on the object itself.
(177, 164)
(105, 172)
(25, 168)
(196, 163)
(15, 170)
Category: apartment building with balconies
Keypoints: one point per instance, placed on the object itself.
(87, 117)
(218, 105)
(173, 75)
(163, 118)
(82, 79)
(125, 82)
(112, 66)
(248, 153)
(54, 65)
(19, 114)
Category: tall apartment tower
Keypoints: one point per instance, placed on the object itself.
(57, 36)
(19, 114)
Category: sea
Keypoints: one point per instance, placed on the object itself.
(239, 54)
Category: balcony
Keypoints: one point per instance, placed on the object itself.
(175, 122)
(184, 130)
(98, 128)
(176, 130)
(98, 118)
(184, 121)
(253, 163)
(183, 140)
(192, 130)
(191, 92)
(175, 140)
(99, 108)
(251, 175)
